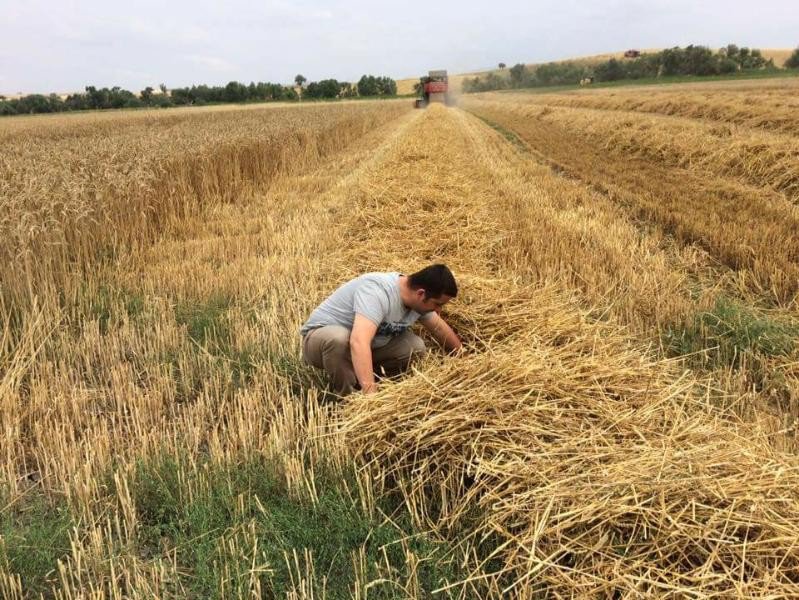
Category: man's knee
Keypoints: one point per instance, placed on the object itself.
(412, 347)
(417, 347)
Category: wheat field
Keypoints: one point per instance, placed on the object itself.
(622, 424)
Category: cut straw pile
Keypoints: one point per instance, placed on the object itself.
(600, 470)
(574, 461)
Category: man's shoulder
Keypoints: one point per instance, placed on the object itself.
(379, 275)
(377, 287)
(377, 278)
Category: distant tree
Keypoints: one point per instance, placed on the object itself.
(517, 74)
(312, 90)
(743, 54)
(793, 60)
(367, 86)
(300, 80)
(671, 61)
(94, 97)
(116, 97)
(645, 65)
(76, 102)
(7, 108)
(163, 88)
(181, 96)
(699, 60)
(756, 60)
(235, 92)
(203, 94)
(33, 103)
(728, 65)
(287, 93)
(147, 95)
(563, 73)
(386, 86)
(161, 101)
(329, 88)
(133, 102)
(731, 51)
(731, 58)
(612, 70)
(502, 66)
(119, 98)
(493, 81)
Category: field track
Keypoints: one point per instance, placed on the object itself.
(571, 451)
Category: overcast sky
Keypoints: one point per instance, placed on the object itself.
(63, 45)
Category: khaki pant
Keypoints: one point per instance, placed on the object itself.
(328, 348)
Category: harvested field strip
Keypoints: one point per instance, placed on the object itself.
(760, 230)
(559, 230)
(761, 159)
(670, 294)
(598, 469)
(772, 110)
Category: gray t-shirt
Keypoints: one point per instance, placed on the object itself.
(376, 296)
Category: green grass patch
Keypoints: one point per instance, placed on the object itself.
(506, 133)
(205, 321)
(723, 336)
(108, 300)
(209, 329)
(228, 524)
(34, 535)
(105, 304)
(201, 521)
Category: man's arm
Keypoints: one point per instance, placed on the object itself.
(363, 331)
(442, 332)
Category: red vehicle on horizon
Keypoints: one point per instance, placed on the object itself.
(434, 88)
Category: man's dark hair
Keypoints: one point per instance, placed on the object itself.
(435, 280)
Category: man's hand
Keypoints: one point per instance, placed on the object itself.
(370, 389)
(443, 333)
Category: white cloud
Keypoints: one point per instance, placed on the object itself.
(167, 32)
(213, 63)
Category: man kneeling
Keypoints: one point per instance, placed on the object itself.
(364, 326)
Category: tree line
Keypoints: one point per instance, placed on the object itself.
(367, 86)
(691, 60)
(93, 98)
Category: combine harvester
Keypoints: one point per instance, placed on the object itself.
(433, 88)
